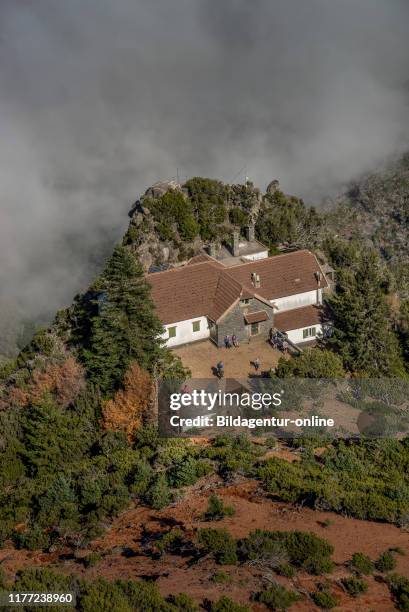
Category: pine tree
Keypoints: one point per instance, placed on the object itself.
(123, 324)
(362, 333)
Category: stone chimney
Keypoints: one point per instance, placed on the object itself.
(250, 232)
(255, 280)
(236, 243)
(213, 249)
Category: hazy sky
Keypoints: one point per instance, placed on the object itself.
(100, 98)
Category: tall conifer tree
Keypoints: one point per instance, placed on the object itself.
(124, 326)
(362, 332)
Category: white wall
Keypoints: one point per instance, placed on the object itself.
(297, 301)
(185, 333)
(296, 335)
(256, 256)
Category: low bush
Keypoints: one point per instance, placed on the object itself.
(368, 480)
(221, 578)
(220, 544)
(101, 594)
(33, 539)
(399, 587)
(325, 600)
(287, 570)
(188, 471)
(386, 562)
(158, 494)
(362, 564)
(225, 604)
(278, 598)
(274, 548)
(171, 542)
(183, 603)
(92, 559)
(355, 586)
(216, 510)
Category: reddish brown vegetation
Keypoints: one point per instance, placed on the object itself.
(64, 381)
(126, 411)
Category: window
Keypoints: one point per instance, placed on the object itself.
(196, 326)
(309, 332)
(172, 332)
(244, 302)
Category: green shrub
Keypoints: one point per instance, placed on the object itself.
(183, 603)
(43, 579)
(188, 471)
(158, 494)
(287, 570)
(225, 604)
(386, 562)
(140, 477)
(216, 509)
(324, 599)
(221, 578)
(362, 564)
(92, 559)
(220, 544)
(143, 595)
(347, 479)
(355, 586)
(171, 542)
(301, 549)
(278, 597)
(33, 539)
(399, 587)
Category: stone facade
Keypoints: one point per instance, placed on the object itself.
(233, 322)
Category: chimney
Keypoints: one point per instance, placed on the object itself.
(255, 280)
(236, 243)
(250, 232)
(318, 277)
(213, 249)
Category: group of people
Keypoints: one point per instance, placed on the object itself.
(230, 341)
(278, 341)
(220, 367)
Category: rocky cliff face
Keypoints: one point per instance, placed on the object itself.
(237, 205)
(377, 208)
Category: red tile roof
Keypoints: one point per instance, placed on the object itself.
(204, 287)
(299, 318)
(281, 275)
(255, 317)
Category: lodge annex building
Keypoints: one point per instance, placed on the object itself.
(245, 294)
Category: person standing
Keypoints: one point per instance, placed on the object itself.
(256, 363)
(234, 340)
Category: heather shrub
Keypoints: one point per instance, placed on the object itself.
(216, 510)
(225, 604)
(399, 587)
(220, 544)
(355, 586)
(274, 548)
(362, 564)
(386, 562)
(277, 597)
(324, 599)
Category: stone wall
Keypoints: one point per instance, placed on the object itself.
(234, 323)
